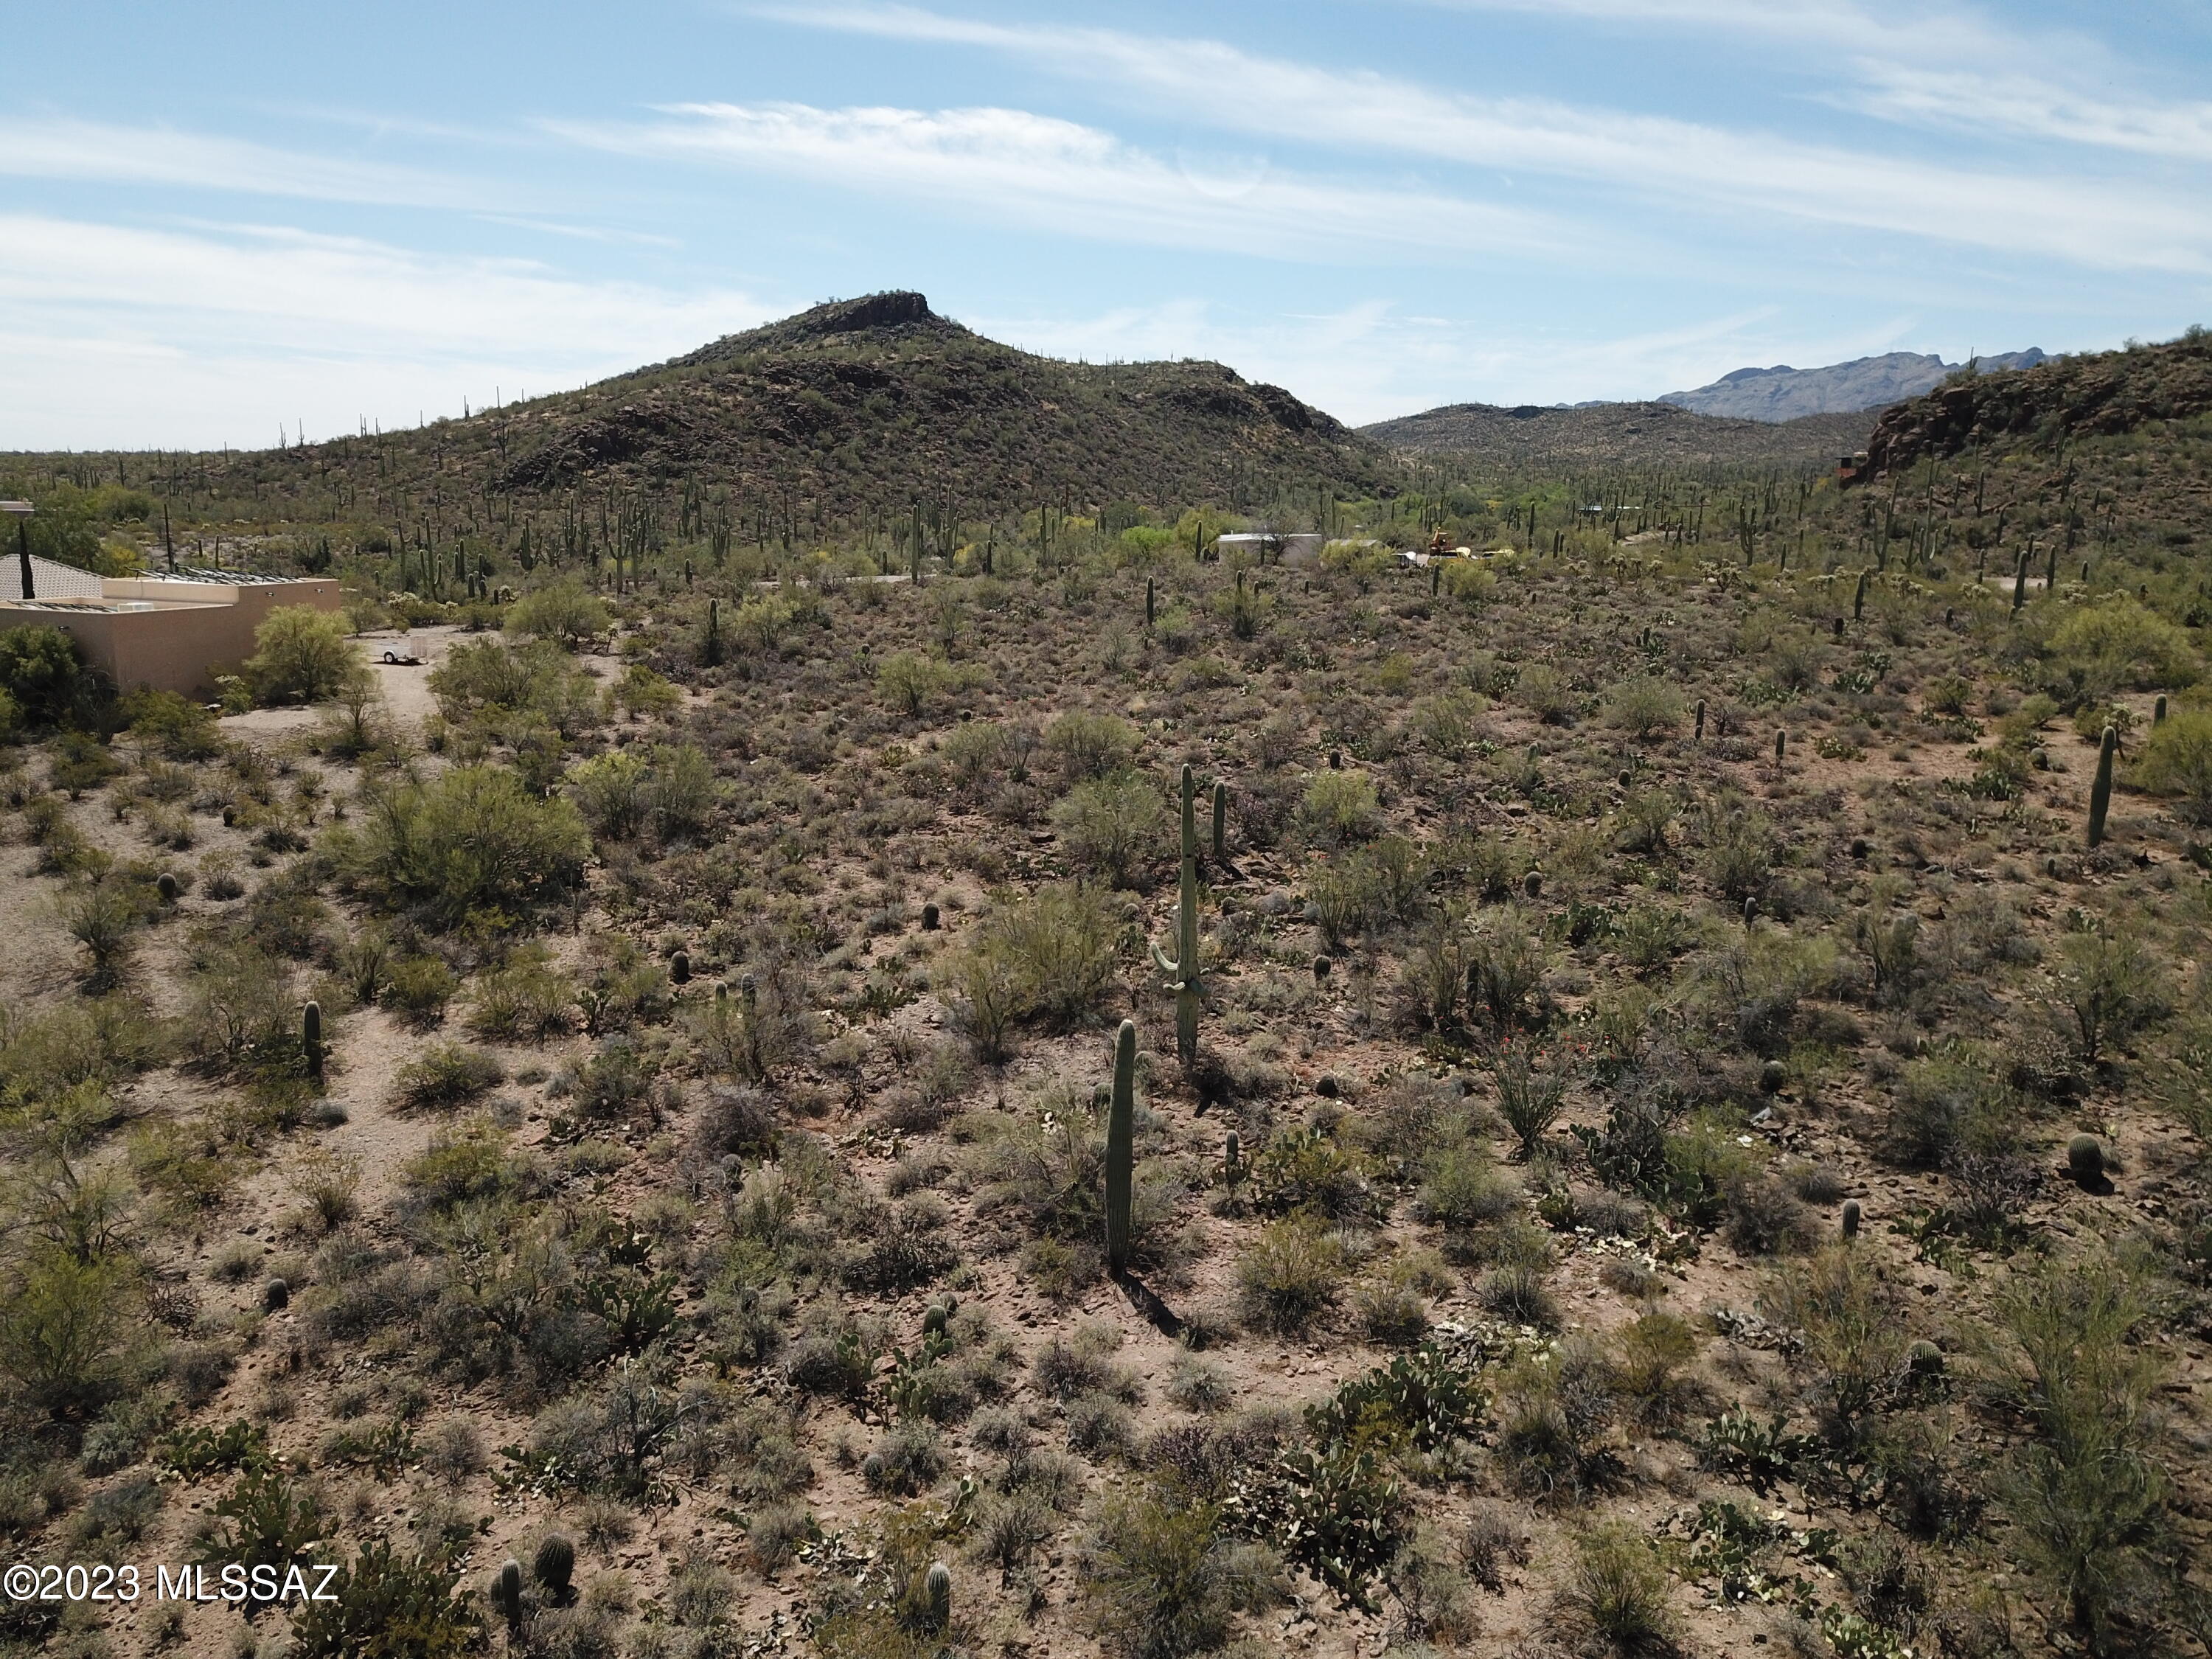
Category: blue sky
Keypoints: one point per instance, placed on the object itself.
(217, 218)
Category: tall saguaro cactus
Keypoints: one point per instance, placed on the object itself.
(2100, 791)
(1220, 823)
(1182, 972)
(1121, 1146)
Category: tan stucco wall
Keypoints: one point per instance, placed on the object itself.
(179, 646)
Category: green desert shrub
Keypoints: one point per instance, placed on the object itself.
(2176, 761)
(301, 655)
(1112, 827)
(562, 611)
(446, 1076)
(1339, 808)
(2087, 1497)
(2119, 645)
(910, 680)
(2112, 986)
(63, 1327)
(390, 1605)
(472, 841)
(1162, 1579)
(526, 999)
(42, 673)
(1618, 1588)
(1049, 957)
(1644, 707)
(1290, 1274)
(1086, 746)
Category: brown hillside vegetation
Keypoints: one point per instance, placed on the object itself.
(1531, 439)
(1666, 1109)
(2097, 394)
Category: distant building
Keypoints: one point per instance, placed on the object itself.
(1849, 469)
(171, 633)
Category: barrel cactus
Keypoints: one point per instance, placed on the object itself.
(937, 1596)
(2085, 1161)
(555, 1564)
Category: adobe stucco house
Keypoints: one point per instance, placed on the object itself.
(173, 633)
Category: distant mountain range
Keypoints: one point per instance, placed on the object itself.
(1783, 393)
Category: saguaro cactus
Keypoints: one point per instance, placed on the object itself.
(1121, 1146)
(1701, 720)
(1780, 744)
(2100, 791)
(311, 1038)
(507, 1591)
(1858, 599)
(1182, 972)
(1151, 593)
(1220, 822)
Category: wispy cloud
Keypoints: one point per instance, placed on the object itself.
(213, 320)
(106, 153)
(2099, 223)
(1036, 170)
(1940, 66)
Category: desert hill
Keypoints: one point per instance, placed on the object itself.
(858, 408)
(1615, 434)
(2101, 394)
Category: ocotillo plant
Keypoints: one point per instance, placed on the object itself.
(1182, 972)
(2100, 791)
(1121, 1146)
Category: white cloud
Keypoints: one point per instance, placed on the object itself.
(104, 152)
(1037, 170)
(2102, 224)
(196, 336)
